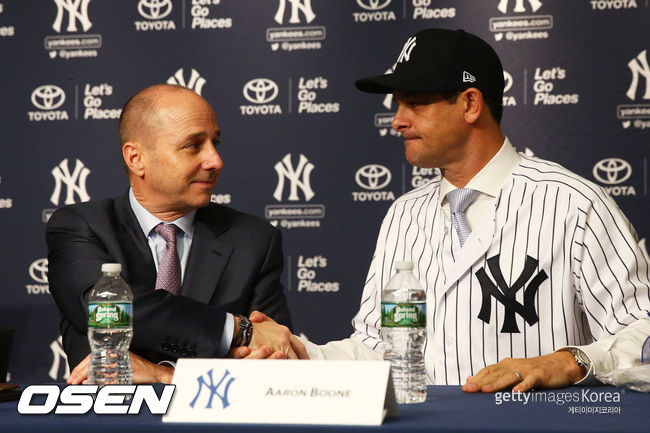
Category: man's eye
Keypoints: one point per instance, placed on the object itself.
(192, 146)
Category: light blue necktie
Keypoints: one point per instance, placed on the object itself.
(458, 200)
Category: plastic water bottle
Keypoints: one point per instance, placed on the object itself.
(110, 328)
(403, 321)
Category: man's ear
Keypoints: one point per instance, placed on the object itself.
(133, 154)
(473, 104)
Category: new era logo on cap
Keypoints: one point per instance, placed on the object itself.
(405, 55)
(468, 78)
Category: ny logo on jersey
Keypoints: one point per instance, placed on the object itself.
(214, 389)
(506, 294)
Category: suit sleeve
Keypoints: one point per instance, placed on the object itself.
(268, 294)
(165, 326)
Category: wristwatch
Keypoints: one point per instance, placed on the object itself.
(581, 358)
(243, 337)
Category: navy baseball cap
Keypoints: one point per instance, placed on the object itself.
(441, 60)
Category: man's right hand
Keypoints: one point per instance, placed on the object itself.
(267, 332)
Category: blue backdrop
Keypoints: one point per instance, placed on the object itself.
(302, 148)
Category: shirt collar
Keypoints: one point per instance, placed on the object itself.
(148, 221)
(493, 175)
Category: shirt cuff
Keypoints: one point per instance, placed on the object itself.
(590, 377)
(226, 336)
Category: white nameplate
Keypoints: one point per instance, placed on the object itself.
(282, 392)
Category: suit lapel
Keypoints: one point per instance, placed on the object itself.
(140, 267)
(475, 247)
(208, 257)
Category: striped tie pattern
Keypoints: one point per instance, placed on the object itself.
(458, 200)
(169, 268)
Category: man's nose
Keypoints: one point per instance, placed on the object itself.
(212, 159)
(400, 122)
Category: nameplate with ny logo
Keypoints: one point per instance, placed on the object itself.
(282, 392)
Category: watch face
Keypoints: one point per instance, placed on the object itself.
(581, 358)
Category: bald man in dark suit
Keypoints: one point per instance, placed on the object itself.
(230, 262)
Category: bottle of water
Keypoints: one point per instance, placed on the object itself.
(110, 328)
(403, 321)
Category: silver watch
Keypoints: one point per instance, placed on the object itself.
(581, 358)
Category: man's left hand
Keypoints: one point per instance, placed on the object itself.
(556, 370)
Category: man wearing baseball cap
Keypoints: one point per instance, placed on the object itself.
(533, 276)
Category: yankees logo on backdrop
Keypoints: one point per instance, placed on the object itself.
(505, 294)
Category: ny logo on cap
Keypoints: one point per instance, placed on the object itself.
(468, 78)
(405, 55)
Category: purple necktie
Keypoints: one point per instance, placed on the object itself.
(169, 268)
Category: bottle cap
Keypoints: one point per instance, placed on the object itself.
(112, 267)
(403, 266)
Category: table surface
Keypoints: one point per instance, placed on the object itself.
(447, 409)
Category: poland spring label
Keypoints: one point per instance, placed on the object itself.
(108, 314)
(403, 315)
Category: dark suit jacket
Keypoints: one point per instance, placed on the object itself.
(234, 265)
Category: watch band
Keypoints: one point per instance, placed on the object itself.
(580, 357)
(243, 337)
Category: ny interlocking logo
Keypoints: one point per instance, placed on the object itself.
(298, 177)
(519, 6)
(639, 67)
(59, 360)
(75, 182)
(297, 6)
(195, 83)
(405, 55)
(506, 294)
(224, 383)
(77, 10)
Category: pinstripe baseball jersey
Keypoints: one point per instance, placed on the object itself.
(553, 263)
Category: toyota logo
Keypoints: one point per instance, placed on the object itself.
(507, 80)
(612, 171)
(372, 176)
(38, 271)
(373, 5)
(157, 9)
(260, 90)
(48, 97)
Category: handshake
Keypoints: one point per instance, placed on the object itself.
(269, 340)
